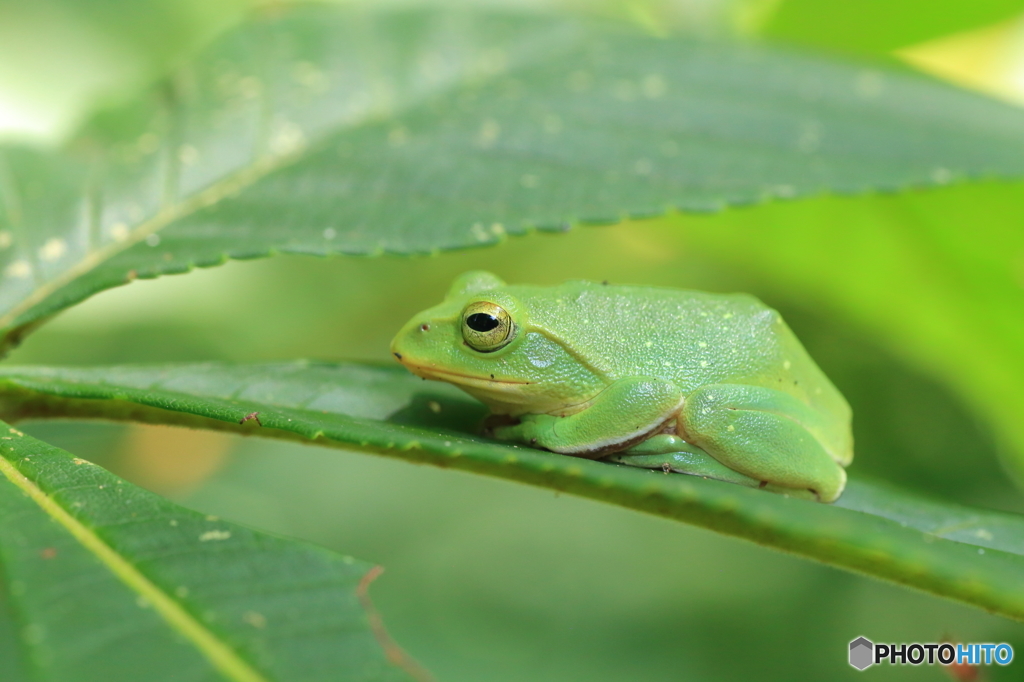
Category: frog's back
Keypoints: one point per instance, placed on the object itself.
(693, 338)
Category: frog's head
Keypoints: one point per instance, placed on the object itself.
(482, 340)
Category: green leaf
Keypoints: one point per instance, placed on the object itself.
(971, 555)
(880, 26)
(101, 580)
(329, 129)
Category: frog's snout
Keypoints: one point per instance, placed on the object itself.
(407, 339)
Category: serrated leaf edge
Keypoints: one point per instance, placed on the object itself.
(227, 186)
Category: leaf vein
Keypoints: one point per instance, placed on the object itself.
(223, 658)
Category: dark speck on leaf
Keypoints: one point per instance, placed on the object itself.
(605, 283)
(252, 416)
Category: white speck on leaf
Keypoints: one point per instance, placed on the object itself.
(810, 137)
(478, 231)
(869, 84)
(307, 74)
(488, 134)
(624, 91)
(119, 232)
(34, 634)
(188, 154)
(653, 86)
(257, 620)
(287, 138)
(19, 269)
(397, 137)
(250, 87)
(214, 535)
(580, 81)
(148, 143)
(493, 61)
(552, 124)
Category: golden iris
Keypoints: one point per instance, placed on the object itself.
(486, 327)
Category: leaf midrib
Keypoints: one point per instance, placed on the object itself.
(219, 654)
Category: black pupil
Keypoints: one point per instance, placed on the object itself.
(482, 322)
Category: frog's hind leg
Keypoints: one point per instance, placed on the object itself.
(672, 453)
(767, 435)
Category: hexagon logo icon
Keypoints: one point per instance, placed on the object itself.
(861, 650)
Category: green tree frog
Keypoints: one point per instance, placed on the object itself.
(713, 385)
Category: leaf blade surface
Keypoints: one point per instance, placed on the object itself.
(109, 582)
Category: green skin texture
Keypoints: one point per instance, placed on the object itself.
(713, 385)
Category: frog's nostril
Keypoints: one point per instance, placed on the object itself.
(398, 355)
(424, 327)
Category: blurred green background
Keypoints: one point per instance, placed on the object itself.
(491, 580)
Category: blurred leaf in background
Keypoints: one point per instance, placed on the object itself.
(878, 27)
(58, 56)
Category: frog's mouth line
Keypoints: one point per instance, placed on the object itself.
(421, 370)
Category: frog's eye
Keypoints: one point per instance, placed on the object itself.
(486, 327)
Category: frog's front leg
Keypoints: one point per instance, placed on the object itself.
(623, 414)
